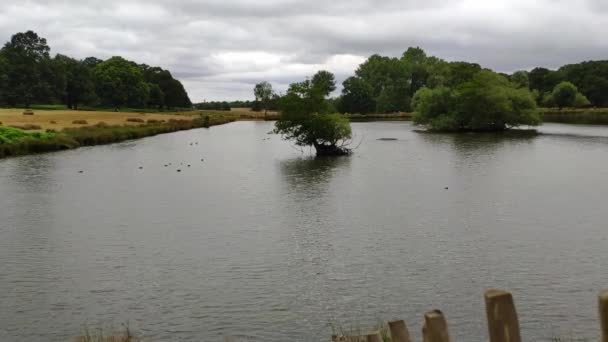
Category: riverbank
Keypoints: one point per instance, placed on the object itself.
(55, 130)
(588, 116)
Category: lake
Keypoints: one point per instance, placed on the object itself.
(263, 242)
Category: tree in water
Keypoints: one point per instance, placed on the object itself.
(308, 119)
(487, 102)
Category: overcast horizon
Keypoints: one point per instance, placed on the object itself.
(220, 49)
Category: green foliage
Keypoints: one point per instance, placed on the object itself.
(263, 94)
(487, 102)
(307, 119)
(581, 101)
(357, 97)
(391, 83)
(214, 105)
(520, 79)
(172, 92)
(10, 135)
(24, 57)
(29, 75)
(120, 83)
(564, 94)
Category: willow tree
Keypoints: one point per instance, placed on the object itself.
(308, 119)
(487, 102)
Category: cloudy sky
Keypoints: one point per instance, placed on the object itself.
(220, 48)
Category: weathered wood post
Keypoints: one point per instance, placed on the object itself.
(435, 327)
(399, 332)
(603, 306)
(374, 337)
(503, 325)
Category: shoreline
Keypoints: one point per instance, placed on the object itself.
(38, 141)
(71, 137)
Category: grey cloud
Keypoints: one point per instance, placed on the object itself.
(220, 48)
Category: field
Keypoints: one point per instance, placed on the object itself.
(60, 119)
(53, 130)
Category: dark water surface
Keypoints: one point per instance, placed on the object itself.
(261, 241)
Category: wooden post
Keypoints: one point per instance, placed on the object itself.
(603, 304)
(503, 325)
(435, 327)
(399, 332)
(374, 337)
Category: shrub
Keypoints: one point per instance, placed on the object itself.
(80, 122)
(53, 122)
(153, 121)
(135, 120)
(486, 102)
(28, 112)
(27, 127)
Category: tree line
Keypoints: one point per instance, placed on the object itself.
(29, 75)
(386, 84)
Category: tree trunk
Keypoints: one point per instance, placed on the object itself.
(331, 150)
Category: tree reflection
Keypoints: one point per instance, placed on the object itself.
(312, 174)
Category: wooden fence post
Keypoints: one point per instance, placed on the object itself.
(374, 337)
(503, 325)
(399, 332)
(603, 306)
(435, 327)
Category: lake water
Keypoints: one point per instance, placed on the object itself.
(265, 243)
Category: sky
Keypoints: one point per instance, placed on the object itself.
(219, 49)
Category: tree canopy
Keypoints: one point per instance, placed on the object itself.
(263, 94)
(384, 84)
(307, 116)
(29, 74)
(488, 101)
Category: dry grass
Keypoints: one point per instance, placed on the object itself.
(97, 335)
(140, 120)
(27, 127)
(59, 119)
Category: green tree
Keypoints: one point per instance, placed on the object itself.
(564, 94)
(357, 96)
(120, 82)
(263, 94)
(174, 93)
(416, 68)
(520, 79)
(307, 120)
(460, 72)
(79, 87)
(23, 55)
(156, 97)
(487, 102)
(581, 101)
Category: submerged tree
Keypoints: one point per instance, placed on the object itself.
(487, 102)
(307, 118)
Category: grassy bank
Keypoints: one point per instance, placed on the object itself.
(589, 116)
(15, 141)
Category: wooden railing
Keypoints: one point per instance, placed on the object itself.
(503, 324)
